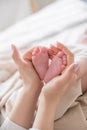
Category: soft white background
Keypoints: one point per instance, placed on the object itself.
(11, 11)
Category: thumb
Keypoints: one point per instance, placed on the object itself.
(72, 70)
(16, 55)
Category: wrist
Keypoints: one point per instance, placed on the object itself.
(50, 103)
(47, 105)
(31, 92)
(33, 87)
(45, 116)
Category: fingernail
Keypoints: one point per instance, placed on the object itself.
(76, 67)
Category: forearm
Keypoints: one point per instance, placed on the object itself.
(45, 117)
(23, 111)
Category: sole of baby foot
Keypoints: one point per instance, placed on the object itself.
(56, 67)
(40, 61)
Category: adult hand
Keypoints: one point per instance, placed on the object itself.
(26, 68)
(53, 91)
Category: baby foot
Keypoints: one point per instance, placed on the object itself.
(40, 61)
(57, 65)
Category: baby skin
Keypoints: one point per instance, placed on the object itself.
(46, 69)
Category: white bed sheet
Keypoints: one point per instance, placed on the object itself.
(62, 20)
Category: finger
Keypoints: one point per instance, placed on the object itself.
(50, 52)
(68, 53)
(72, 70)
(64, 48)
(16, 55)
(54, 48)
(28, 55)
(70, 76)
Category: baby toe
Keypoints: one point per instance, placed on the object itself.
(64, 60)
(36, 51)
(63, 67)
(60, 54)
(43, 49)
